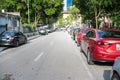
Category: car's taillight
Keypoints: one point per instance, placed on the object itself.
(102, 43)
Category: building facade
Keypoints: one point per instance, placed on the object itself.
(9, 22)
(67, 4)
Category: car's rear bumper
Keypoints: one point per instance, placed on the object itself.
(104, 56)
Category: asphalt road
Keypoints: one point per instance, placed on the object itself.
(50, 57)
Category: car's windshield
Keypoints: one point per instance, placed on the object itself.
(85, 31)
(8, 33)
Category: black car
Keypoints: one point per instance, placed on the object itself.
(12, 38)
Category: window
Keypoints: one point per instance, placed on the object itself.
(109, 34)
(90, 34)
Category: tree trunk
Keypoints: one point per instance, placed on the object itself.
(96, 21)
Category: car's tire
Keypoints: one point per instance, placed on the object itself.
(17, 44)
(81, 50)
(25, 41)
(115, 76)
(89, 60)
(78, 44)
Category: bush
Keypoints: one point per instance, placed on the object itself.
(29, 27)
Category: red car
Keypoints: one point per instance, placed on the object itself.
(80, 35)
(101, 45)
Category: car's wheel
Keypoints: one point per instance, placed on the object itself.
(89, 60)
(78, 44)
(115, 76)
(81, 50)
(25, 41)
(17, 44)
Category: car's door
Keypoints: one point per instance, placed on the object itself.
(23, 38)
(91, 41)
(85, 42)
(20, 37)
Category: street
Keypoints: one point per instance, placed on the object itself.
(50, 57)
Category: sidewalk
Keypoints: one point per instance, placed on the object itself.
(28, 38)
(33, 37)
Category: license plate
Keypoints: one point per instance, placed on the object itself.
(117, 46)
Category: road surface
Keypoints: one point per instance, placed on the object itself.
(50, 57)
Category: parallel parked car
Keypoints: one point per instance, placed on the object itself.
(115, 73)
(75, 30)
(12, 38)
(43, 31)
(79, 36)
(101, 45)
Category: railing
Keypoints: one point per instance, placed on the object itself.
(31, 34)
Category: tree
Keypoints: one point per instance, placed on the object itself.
(2, 2)
(73, 14)
(94, 8)
(113, 11)
(73, 11)
(39, 10)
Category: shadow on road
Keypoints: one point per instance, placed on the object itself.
(106, 74)
(104, 63)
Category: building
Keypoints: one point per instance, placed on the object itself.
(65, 14)
(9, 21)
(67, 4)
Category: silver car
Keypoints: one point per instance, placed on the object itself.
(115, 73)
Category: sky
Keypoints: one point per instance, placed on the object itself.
(67, 3)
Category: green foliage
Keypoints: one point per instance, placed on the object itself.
(50, 11)
(31, 26)
(116, 20)
(39, 10)
(61, 22)
(74, 11)
(93, 9)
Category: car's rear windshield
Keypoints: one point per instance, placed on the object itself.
(109, 34)
(85, 31)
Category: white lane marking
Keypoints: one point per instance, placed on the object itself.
(38, 57)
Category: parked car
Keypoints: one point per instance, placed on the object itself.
(75, 30)
(43, 31)
(115, 72)
(12, 38)
(101, 45)
(79, 36)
